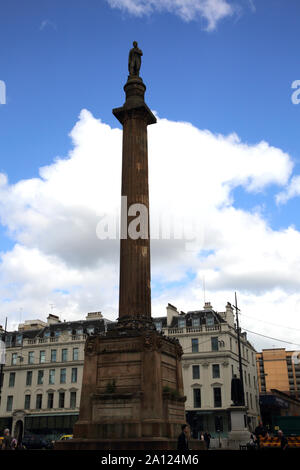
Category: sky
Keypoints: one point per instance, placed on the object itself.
(224, 157)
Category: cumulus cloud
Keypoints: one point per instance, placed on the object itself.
(211, 10)
(292, 190)
(57, 257)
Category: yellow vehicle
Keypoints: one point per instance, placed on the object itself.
(66, 437)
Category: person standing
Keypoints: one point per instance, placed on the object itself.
(183, 443)
(283, 440)
(207, 438)
(7, 441)
(260, 431)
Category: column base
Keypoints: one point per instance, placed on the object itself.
(142, 444)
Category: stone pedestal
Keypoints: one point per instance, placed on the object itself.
(132, 393)
(239, 434)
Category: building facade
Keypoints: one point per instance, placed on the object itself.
(279, 386)
(210, 360)
(279, 369)
(44, 365)
(43, 373)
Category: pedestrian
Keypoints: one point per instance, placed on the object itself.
(283, 440)
(207, 438)
(183, 443)
(252, 444)
(7, 441)
(260, 431)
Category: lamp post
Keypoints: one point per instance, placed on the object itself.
(2, 359)
(237, 310)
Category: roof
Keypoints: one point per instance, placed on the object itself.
(189, 316)
(99, 325)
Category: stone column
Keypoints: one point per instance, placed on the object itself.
(135, 291)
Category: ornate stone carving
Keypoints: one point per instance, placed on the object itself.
(90, 346)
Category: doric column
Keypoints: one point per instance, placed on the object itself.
(135, 289)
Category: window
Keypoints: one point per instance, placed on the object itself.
(12, 377)
(51, 377)
(63, 373)
(42, 357)
(30, 357)
(195, 345)
(210, 321)
(214, 343)
(19, 339)
(14, 359)
(158, 325)
(40, 379)
(196, 322)
(219, 423)
(53, 355)
(249, 380)
(73, 400)
(197, 398)
(196, 372)
(74, 375)
(90, 330)
(29, 377)
(75, 354)
(232, 371)
(247, 399)
(230, 339)
(50, 400)
(254, 381)
(64, 355)
(217, 397)
(251, 405)
(9, 403)
(245, 378)
(216, 371)
(39, 401)
(181, 322)
(27, 402)
(61, 403)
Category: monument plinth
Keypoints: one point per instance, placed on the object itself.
(132, 391)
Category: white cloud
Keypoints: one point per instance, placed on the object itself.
(292, 190)
(47, 23)
(58, 259)
(211, 10)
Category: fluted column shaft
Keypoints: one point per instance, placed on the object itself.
(135, 288)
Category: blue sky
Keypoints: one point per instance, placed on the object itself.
(59, 57)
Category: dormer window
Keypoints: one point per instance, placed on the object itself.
(181, 322)
(196, 322)
(19, 339)
(210, 321)
(158, 325)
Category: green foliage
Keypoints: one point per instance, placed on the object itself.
(173, 392)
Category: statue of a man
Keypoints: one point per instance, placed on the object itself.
(134, 60)
(237, 392)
